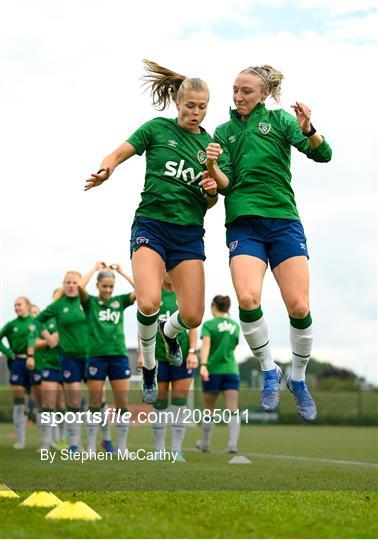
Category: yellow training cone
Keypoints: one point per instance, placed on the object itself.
(8, 493)
(41, 498)
(73, 510)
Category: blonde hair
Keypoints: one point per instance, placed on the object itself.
(26, 300)
(270, 79)
(59, 292)
(75, 272)
(168, 86)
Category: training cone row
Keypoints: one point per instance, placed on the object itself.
(60, 510)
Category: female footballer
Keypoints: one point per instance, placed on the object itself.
(21, 365)
(263, 224)
(71, 324)
(107, 350)
(219, 370)
(167, 233)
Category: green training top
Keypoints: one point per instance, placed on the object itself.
(46, 358)
(224, 336)
(105, 325)
(71, 323)
(168, 306)
(17, 333)
(175, 162)
(259, 151)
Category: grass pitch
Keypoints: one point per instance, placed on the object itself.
(304, 482)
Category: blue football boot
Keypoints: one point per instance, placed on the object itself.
(306, 407)
(270, 395)
(108, 447)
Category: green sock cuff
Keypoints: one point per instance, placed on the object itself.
(179, 319)
(179, 401)
(18, 401)
(250, 315)
(73, 409)
(160, 404)
(103, 404)
(301, 324)
(94, 409)
(46, 409)
(123, 410)
(147, 320)
(60, 410)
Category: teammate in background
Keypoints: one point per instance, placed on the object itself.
(178, 378)
(46, 354)
(263, 224)
(107, 350)
(71, 324)
(36, 378)
(17, 333)
(167, 233)
(219, 370)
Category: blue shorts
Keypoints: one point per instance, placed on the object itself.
(174, 243)
(219, 383)
(272, 240)
(52, 375)
(115, 367)
(167, 373)
(19, 373)
(35, 377)
(73, 369)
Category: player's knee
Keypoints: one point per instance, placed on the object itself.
(249, 300)
(148, 306)
(298, 309)
(192, 320)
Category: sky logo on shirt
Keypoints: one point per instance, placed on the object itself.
(172, 168)
(226, 327)
(107, 315)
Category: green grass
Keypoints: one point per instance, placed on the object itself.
(304, 482)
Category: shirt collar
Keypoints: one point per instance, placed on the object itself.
(259, 110)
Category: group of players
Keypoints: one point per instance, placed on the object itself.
(248, 162)
(80, 337)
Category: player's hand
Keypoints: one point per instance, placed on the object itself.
(208, 184)
(52, 340)
(213, 152)
(30, 363)
(303, 114)
(191, 361)
(204, 373)
(100, 265)
(97, 179)
(117, 267)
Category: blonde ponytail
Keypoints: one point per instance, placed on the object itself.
(271, 79)
(168, 86)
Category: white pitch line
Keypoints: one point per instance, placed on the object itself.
(321, 460)
(298, 458)
(284, 456)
